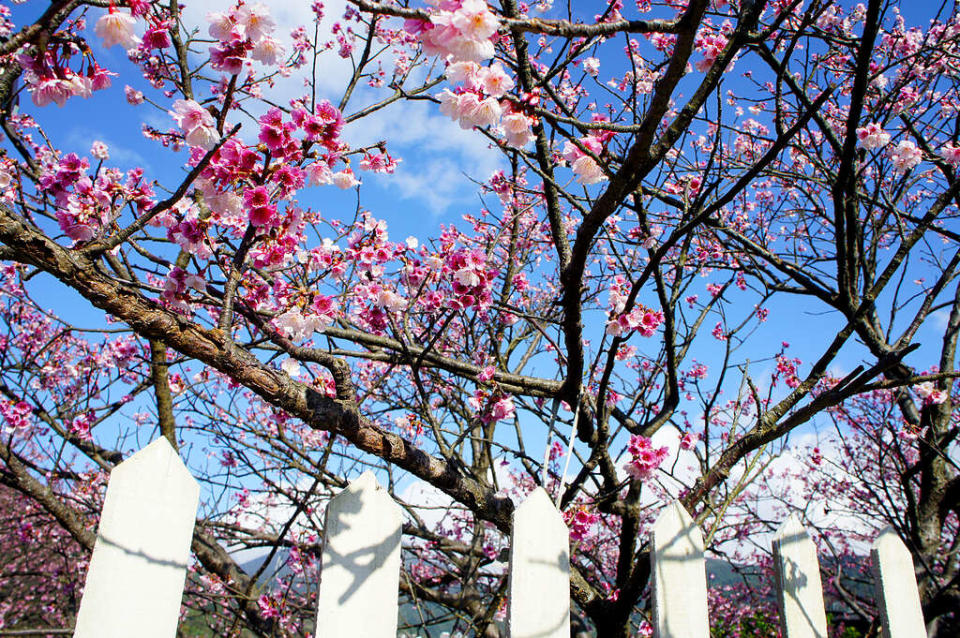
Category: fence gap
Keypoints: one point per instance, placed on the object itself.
(539, 570)
(360, 572)
(137, 571)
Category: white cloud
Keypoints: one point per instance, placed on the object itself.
(939, 319)
(121, 156)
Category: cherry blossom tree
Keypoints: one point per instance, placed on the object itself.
(679, 182)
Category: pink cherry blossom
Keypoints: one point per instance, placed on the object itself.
(474, 20)
(267, 51)
(645, 459)
(255, 20)
(198, 126)
(930, 393)
(345, 179)
(951, 153)
(116, 27)
(905, 156)
(502, 409)
(872, 136)
(223, 26)
(390, 300)
(99, 150)
(133, 95)
(689, 440)
(495, 81)
(299, 326)
(517, 127)
(464, 72)
(51, 90)
(710, 45)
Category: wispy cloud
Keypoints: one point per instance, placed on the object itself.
(80, 139)
(439, 158)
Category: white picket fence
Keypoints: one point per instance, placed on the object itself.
(135, 582)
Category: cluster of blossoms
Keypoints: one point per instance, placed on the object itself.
(80, 426)
(299, 326)
(788, 368)
(710, 44)
(197, 125)
(872, 136)
(461, 29)
(49, 77)
(951, 154)
(85, 206)
(189, 231)
(273, 606)
(492, 407)
(177, 286)
(591, 66)
(491, 80)
(689, 440)
(462, 32)
(905, 155)
(278, 136)
(642, 319)
(471, 108)
(645, 459)
(6, 25)
(379, 163)
(376, 304)
(261, 184)
(16, 415)
(580, 520)
(586, 168)
(243, 33)
(472, 280)
(477, 101)
(930, 393)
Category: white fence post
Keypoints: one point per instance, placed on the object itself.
(136, 577)
(896, 587)
(539, 570)
(799, 590)
(360, 573)
(679, 576)
(135, 581)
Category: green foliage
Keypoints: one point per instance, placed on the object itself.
(755, 625)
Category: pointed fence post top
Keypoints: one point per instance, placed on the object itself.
(137, 570)
(364, 491)
(157, 462)
(791, 530)
(539, 507)
(366, 481)
(675, 523)
(889, 541)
